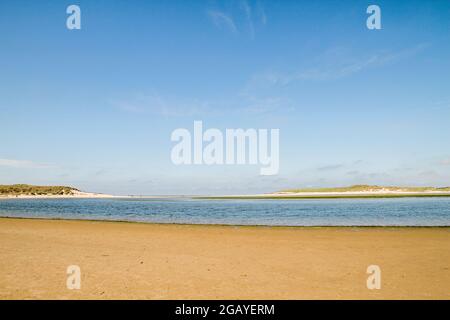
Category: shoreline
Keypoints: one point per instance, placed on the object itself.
(308, 196)
(329, 195)
(150, 261)
(78, 195)
(226, 225)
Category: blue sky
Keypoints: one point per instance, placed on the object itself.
(94, 108)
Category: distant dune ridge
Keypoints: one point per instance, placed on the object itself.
(26, 189)
(355, 191)
(31, 191)
(368, 188)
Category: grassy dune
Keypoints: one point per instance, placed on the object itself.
(368, 188)
(30, 190)
(356, 191)
(325, 196)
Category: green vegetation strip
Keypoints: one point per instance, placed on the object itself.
(25, 189)
(368, 188)
(287, 197)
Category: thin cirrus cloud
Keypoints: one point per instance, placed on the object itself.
(241, 18)
(167, 107)
(222, 20)
(335, 64)
(175, 107)
(23, 164)
(330, 167)
(338, 166)
(248, 17)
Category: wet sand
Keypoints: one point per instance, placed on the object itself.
(152, 261)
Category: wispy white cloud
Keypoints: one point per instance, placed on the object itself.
(440, 105)
(445, 162)
(179, 107)
(335, 64)
(156, 104)
(241, 16)
(24, 164)
(248, 17)
(222, 20)
(265, 105)
(331, 167)
(261, 13)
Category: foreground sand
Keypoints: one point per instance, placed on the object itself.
(132, 260)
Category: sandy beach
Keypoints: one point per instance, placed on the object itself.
(328, 195)
(75, 195)
(151, 261)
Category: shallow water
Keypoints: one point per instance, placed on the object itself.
(306, 212)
